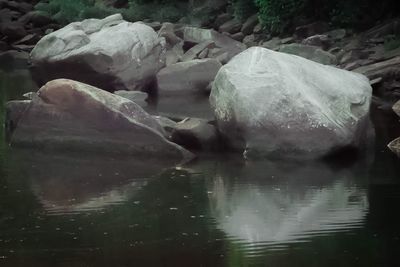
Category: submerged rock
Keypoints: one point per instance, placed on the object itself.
(110, 53)
(282, 105)
(70, 115)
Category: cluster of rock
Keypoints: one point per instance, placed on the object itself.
(265, 102)
(21, 27)
(313, 108)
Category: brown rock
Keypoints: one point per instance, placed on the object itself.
(385, 69)
(221, 19)
(239, 36)
(231, 26)
(248, 26)
(13, 30)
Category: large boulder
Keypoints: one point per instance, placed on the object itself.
(70, 115)
(190, 77)
(110, 53)
(281, 105)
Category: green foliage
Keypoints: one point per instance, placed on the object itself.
(392, 42)
(243, 9)
(278, 14)
(66, 11)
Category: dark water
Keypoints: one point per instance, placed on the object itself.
(87, 210)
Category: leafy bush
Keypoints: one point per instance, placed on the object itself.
(66, 11)
(278, 14)
(242, 9)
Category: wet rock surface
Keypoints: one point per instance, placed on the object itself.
(72, 116)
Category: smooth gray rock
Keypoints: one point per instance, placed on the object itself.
(109, 53)
(313, 53)
(280, 105)
(190, 77)
(69, 115)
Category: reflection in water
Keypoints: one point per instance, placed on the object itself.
(66, 183)
(277, 203)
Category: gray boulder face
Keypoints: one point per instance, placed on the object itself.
(396, 108)
(190, 77)
(394, 146)
(313, 53)
(110, 53)
(278, 105)
(69, 115)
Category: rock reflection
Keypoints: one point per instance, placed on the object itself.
(281, 203)
(69, 183)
